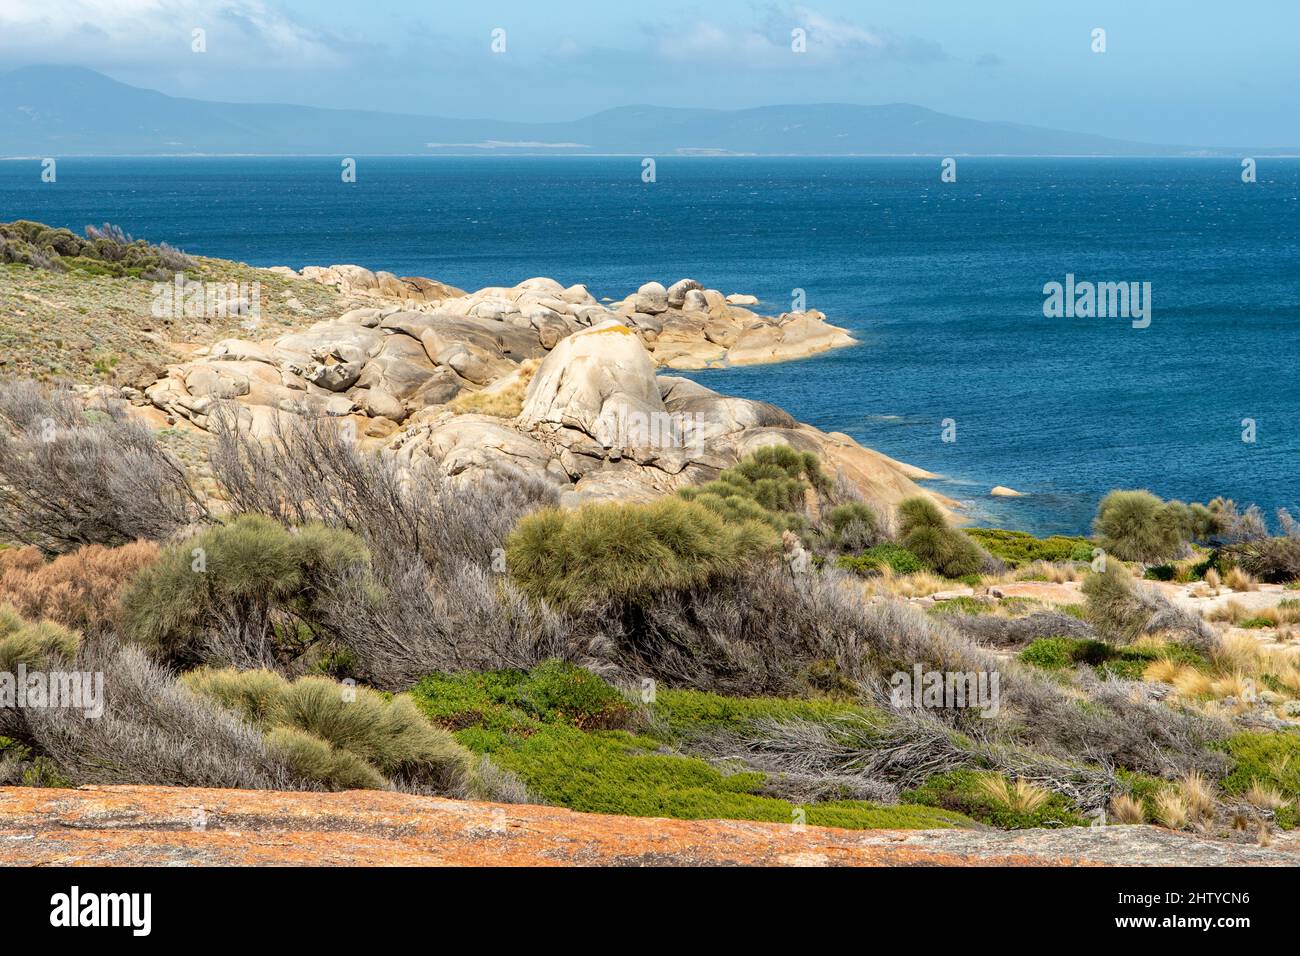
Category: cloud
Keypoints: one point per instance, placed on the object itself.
(133, 32)
(830, 41)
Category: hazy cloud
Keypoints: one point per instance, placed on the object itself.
(160, 31)
(831, 41)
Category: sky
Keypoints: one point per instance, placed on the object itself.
(1191, 72)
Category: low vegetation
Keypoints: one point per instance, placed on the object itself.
(105, 251)
(924, 532)
(603, 552)
(332, 620)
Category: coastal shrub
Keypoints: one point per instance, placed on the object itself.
(246, 593)
(999, 631)
(991, 799)
(320, 761)
(1275, 560)
(152, 731)
(1128, 663)
(80, 590)
(391, 630)
(341, 735)
(433, 598)
(106, 250)
(69, 477)
(1138, 526)
(924, 531)
(308, 470)
(572, 756)
(1018, 548)
(578, 558)
(1122, 610)
(767, 485)
(1267, 760)
(35, 644)
(552, 692)
(897, 559)
(685, 713)
(853, 525)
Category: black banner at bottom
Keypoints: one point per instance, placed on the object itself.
(341, 905)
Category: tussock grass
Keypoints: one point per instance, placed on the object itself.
(1240, 580)
(1020, 797)
(340, 735)
(1127, 809)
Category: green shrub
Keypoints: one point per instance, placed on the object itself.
(35, 645)
(1055, 653)
(1018, 548)
(768, 485)
(616, 772)
(1160, 572)
(1113, 605)
(106, 250)
(852, 526)
(1271, 760)
(924, 531)
(552, 692)
(1138, 526)
(531, 723)
(252, 578)
(335, 732)
(1274, 560)
(579, 558)
(684, 712)
(870, 561)
(962, 792)
(319, 760)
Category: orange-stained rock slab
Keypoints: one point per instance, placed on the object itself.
(133, 826)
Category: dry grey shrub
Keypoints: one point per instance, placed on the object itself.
(885, 757)
(1013, 632)
(69, 477)
(767, 631)
(1122, 610)
(436, 597)
(153, 731)
(773, 633)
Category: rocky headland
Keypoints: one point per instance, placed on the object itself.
(536, 378)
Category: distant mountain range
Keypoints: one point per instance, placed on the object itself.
(63, 111)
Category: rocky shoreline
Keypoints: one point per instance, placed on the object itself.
(535, 379)
(684, 325)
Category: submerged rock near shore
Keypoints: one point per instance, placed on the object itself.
(536, 379)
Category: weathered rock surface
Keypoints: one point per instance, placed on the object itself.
(595, 422)
(151, 826)
(599, 424)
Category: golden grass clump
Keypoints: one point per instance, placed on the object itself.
(503, 401)
(1239, 580)
(1265, 797)
(1171, 809)
(1022, 796)
(1127, 809)
(919, 584)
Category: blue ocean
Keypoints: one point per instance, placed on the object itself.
(941, 282)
